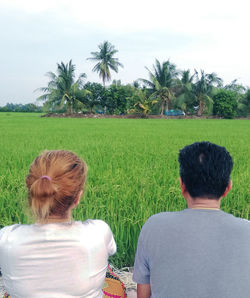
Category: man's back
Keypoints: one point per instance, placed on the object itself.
(196, 253)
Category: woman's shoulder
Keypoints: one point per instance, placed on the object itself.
(7, 230)
(96, 226)
(96, 223)
(103, 230)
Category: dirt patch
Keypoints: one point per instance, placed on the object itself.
(104, 116)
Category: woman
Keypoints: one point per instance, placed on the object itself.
(55, 256)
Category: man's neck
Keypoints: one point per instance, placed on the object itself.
(203, 203)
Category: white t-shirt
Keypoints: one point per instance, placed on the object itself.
(55, 260)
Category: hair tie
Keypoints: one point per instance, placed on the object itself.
(46, 177)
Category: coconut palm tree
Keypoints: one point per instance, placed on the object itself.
(186, 78)
(105, 61)
(62, 88)
(202, 89)
(183, 91)
(162, 81)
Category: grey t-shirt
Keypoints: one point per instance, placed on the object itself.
(194, 253)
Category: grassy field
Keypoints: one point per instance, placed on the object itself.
(133, 168)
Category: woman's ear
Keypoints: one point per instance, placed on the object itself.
(78, 197)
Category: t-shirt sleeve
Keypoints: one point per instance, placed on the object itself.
(108, 238)
(3, 233)
(141, 273)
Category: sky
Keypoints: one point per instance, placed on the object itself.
(36, 35)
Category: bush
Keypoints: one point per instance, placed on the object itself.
(225, 104)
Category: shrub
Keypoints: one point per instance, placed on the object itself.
(225, 104)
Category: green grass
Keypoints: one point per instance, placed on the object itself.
(133, 167)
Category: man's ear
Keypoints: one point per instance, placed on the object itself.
(183, 187)
(229, 187)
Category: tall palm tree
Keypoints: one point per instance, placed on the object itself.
(62, 88)
(106, 61)
(202, 89)
(162, 81)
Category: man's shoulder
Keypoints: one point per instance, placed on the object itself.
(240, 222)
(166, 215)
(162, 218)
(177, 218)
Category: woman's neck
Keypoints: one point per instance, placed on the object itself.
(57, 219)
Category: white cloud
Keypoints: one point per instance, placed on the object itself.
(177, 16)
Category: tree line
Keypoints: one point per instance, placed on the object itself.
(23, 108)
(166, 89)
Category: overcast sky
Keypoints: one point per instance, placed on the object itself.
(35, 35)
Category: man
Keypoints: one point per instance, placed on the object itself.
(199, 252)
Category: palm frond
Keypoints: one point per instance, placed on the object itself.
(146, 83)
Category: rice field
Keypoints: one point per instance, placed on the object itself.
(133, 167)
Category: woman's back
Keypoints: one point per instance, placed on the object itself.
(56, 259)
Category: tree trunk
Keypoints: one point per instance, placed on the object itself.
(201, 108)
(105, 108)
(69, 109)
(162, 107)
(167, 105)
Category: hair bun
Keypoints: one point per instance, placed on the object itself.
(42, 189)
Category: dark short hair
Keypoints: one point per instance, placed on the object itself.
(205, 169)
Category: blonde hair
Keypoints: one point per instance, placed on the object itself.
(55, 179)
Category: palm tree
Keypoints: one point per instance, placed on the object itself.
(202, 89)
(186, 78)
(62, 88)
(162, 81)
(183, 91)
(106, 61)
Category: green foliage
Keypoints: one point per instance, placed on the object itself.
(244, 104)
(235, 87)
(23, 108)
(106, 61)
(142, 105)
(185, 102)
(247, 100)
(225, 104)
(95, 98)
(116, 97)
